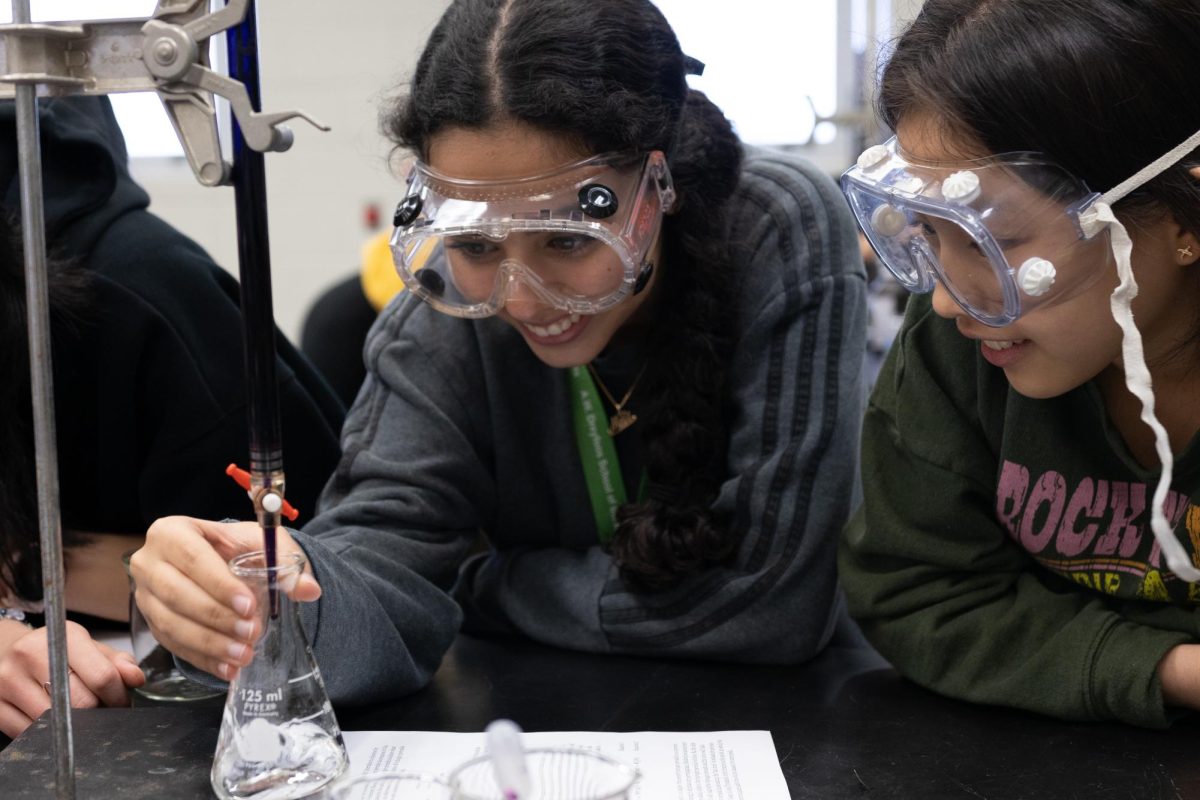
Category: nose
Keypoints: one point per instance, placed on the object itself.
(944, 304)
(521, 301)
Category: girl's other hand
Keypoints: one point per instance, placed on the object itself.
(99, 676)
(1179, 674)
(194, 604)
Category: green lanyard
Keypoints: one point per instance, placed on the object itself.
(601, 469)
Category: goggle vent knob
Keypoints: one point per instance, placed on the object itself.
(433, 282)
(888, 221)
(1036, 276)
(598, 201)
(961, 187)
(872, 157)
(643, 277)
(407, 211)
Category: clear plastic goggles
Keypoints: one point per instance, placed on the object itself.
(577, 239)
(1002, 234)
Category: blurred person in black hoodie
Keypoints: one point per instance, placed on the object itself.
(150, 398)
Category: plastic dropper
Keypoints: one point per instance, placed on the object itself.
(508, 759)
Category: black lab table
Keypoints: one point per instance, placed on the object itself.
(844, 725)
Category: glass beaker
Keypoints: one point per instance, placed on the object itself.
(556, 773)
(279, 738)
(164, 682)
(392, 786)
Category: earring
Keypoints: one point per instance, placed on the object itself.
(1185, 251)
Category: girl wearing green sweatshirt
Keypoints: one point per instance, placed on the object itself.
(1031, 466)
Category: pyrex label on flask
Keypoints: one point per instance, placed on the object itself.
(260, 703)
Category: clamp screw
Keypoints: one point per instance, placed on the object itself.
(165, 52)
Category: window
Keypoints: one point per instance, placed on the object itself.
(66, 10)
(754, 48)
(148, 131)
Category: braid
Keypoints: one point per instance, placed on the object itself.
(673, 533)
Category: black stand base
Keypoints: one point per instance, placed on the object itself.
(127, 754)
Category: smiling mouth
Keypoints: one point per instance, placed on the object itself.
(554, 329)
(1002, 344)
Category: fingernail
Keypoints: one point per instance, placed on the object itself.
(237, 651)
(225, 671)
(244, 629)
(241, 604)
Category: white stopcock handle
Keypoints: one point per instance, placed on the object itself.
(272, 502)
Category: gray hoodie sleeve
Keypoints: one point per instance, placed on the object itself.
(397, 519)
(796, 415)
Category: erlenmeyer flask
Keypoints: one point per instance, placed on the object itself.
(279, 738)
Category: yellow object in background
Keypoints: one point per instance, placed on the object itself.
(380, 281)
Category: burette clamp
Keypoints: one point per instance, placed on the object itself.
(167, 54)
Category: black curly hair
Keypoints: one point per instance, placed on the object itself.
(612, 76)
(1103, 106)
(20, 562)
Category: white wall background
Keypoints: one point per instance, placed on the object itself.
(906, 10)
(338, 61)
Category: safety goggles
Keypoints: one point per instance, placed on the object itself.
(578, 238)
(1002, 234)
(1022, 217)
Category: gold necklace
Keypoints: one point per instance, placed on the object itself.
(623, 418)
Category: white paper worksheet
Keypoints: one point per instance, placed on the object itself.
(720, 765)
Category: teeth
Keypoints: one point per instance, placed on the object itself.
(1004, 345)
(554, 329)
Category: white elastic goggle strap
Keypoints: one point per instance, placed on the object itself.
(1137, 377)
(1152, 171)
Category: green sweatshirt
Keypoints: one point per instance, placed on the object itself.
(1003, 554)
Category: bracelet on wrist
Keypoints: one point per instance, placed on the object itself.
(16, 615)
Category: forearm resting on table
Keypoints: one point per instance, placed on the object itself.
(1179, 673)
(96, 579)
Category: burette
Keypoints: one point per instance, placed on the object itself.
(248, 177)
